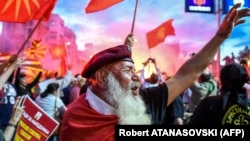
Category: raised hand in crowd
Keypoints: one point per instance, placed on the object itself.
(8, 70)
(17, 112)
(129, 41)
(115, 97)
(232, 19)
(193, 68)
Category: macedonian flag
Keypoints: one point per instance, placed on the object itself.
(36, 51)
(25, 10)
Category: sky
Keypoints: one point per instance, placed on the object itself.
(110, 27)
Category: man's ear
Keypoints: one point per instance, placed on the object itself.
(101, 78)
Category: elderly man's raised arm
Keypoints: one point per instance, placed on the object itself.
(193, 68)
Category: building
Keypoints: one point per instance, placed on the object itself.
(52, 32)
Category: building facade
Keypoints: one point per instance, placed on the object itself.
(52, 32)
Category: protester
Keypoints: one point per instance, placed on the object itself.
(175, 112)
(51, 103)
(76, 90)
(114, 96)
(17, 112)
(67, 91)
(203, 87)
(62, 81)
(244, 63)
(232, 106)
(21, 85)
(154, 79)
(8, 93)
(7, 68)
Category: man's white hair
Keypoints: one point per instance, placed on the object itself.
(130, 109)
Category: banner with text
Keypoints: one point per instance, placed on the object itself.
(35, 124)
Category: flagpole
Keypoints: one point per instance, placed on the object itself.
(29, 36)
(24, 43)
(135, 11)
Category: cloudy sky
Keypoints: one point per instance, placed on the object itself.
(109, 27)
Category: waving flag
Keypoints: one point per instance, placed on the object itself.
(36, 51)
(25, 10)
(98, 5)
(159, 34)
(63, 67)
(31, 63)
(58, 51)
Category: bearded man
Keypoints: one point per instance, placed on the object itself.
(114, 96)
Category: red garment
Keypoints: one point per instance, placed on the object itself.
(82, 123)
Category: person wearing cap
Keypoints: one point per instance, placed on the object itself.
(232, 106)
(114, 96)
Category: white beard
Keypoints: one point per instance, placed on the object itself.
(130, 109)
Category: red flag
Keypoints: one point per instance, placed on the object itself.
(58, 51)
(159, 34)
(25, 10)
(98, 5)
(63, 67)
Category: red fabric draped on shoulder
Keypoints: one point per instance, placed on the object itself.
(82, 123)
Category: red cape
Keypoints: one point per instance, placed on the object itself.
(82, 123)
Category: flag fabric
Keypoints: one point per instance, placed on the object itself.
(31, 72)
(63, 67)
(28, 64)
(58, 51)
(159, 34)
(98, 5)
(36, 51)
(36, 64)
(22, 11)
(45, 10)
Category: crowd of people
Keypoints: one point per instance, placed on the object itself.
(109, 92)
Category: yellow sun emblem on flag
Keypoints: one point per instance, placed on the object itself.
(18, 5)
(36, 51)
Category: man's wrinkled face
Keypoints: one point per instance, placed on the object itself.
(123, 94)
(130, 108)
(124, 72)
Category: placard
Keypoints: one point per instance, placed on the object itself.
(35, 124)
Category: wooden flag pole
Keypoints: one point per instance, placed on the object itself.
(133, 23)
(29, 36)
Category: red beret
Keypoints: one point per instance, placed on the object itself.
(107, 56)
